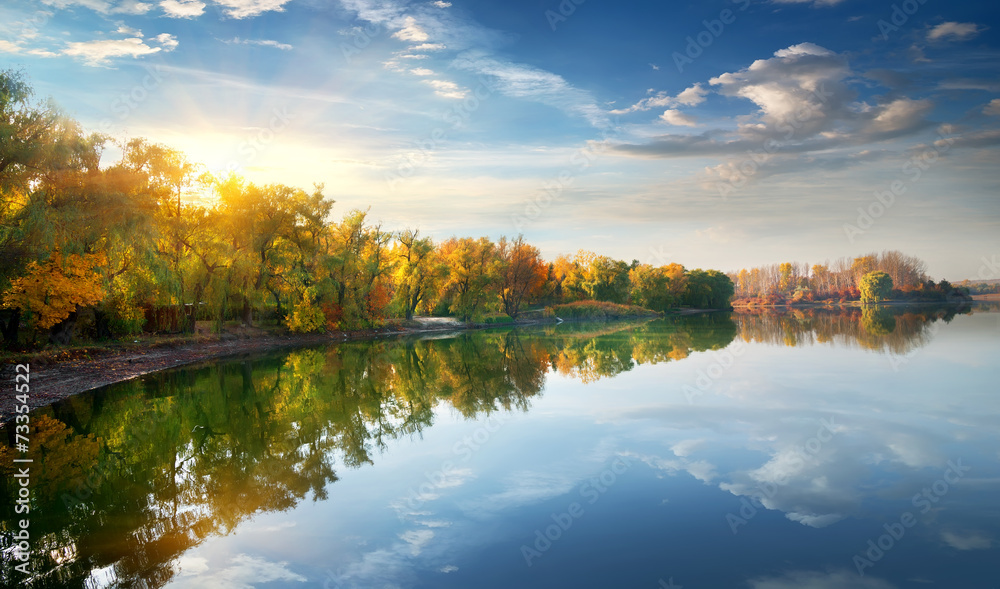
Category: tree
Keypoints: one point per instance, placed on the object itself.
(520, 273)
(657, 288)
(53, 291)
(418, 270)
(708, 289)
(472, 269)
(601, 278)
(875, 287)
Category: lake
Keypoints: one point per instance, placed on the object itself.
(817, 449)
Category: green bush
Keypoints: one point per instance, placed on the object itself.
(497, 320)
(600, 310)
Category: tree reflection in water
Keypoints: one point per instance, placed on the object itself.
(129, 477)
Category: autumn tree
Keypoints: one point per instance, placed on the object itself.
(472, 267)
(657, 288)
(53, 292)
(418, 270)
(359, 264)
(520, 273)
(600, 278)
(875, 287)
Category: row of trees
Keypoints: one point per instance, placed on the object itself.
(842, 279)
(122, 242)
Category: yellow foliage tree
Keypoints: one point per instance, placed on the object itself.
(52, 290)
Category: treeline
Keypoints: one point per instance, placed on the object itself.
(121, 244)
(841, 280)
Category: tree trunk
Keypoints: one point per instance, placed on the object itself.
(10, 329)
(247, 312)
(62, 333)
(102, 324)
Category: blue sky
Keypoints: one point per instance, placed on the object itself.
(714, 134)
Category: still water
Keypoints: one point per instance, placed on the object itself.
(817, 449)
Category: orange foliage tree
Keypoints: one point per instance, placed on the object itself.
(53, 290)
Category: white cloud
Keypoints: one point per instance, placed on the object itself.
(9, 47)
(247, 8)
(967, 540)
(439, 30)
(813, 2)
(806, 104)
(538, 85)
(677, 118)
(957, 31)
(183, 8)
(243, 572)
(167, 41)
(429, 47)
(441, 4)
(98, 53)
(103, 6)
(411, 31)
(686, 447)
(422, 71)
(692, 96)
(132, 7)
(993, 108)
(839, 579)
(260, 42)
(901, 114)
(446, 89)
(125, 30)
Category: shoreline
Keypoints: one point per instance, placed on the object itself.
(55, 378)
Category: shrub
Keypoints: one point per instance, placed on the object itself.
(600, 310)
(306, 318)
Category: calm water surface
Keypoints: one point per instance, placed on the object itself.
(822, 450)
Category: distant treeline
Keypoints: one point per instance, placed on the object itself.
(122, 245)
(793, 282)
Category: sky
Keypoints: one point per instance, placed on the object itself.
(714, 134)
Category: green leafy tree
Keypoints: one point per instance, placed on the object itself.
(875, 287)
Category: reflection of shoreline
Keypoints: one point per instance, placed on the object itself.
(181, 455)
(897, 329)
(858, 304)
